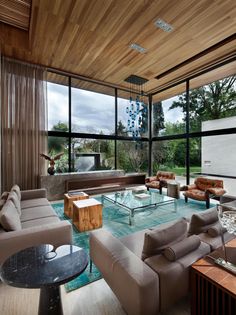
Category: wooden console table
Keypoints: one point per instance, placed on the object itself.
(213, 288)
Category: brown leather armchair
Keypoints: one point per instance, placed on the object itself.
(203, 189)
(160, 180)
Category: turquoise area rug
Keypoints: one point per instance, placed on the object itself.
(116, 220)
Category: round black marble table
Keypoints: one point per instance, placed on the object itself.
(42, 267)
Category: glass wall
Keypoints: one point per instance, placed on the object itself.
(132, 156)
(170, 155)
(213, 106)
(58, 103)
(132, 116)
(94, 138)
(92, 112)
(58, 145)
(92, 154)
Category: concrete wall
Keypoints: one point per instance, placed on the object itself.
(219, 152)
(55, 184)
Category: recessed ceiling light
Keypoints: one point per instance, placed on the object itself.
(138, 48)
(163, 25)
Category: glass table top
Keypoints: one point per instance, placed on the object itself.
(132, 200)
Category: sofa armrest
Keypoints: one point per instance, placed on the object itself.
(134, 283)
(33, 193)
(56, 234)
(227, 198)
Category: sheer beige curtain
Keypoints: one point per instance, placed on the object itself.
(23, 124)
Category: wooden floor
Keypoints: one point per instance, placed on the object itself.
(93, 299)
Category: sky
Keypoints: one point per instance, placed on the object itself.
(93, 112)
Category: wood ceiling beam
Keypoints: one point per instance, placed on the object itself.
(198, 56)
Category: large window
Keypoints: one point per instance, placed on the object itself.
(92, 112)
(58, 145)
(92, 154)
(58, 102)
(91, 140)
(168, 117)
(213, 106)
(170, 155)
(125, 121)
(133, 156)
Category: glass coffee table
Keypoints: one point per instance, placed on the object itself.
(131, 202)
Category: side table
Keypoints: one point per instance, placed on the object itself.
(213, 288)
(41, 267)
(68, 202)
(173, 189)
(87, 214)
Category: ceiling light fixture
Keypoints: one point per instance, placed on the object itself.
(137, 109)
(138, 48)
(163, 25)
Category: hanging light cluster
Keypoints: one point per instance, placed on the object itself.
(136, 110)
(137, 121)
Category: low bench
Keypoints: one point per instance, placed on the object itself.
(105, 184)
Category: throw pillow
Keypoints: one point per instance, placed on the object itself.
(9, 217)
(155, 241)
(4, 195)
(182, 248)
(216, 230)
(14, 198)
(201, 222)
(16, 189)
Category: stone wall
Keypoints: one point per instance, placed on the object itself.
(55, 184)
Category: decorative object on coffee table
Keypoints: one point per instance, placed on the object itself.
(87, 214)
(51, 169)
(41, 267)
(68, 202)
(173, 189)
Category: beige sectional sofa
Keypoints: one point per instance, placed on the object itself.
(149, 270)
(27, 219)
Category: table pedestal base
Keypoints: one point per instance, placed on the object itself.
(50, 301)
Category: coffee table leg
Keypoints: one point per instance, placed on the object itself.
(50, 301)
(175, 204)
(131, 217)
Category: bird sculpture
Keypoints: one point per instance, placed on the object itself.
(51, 169)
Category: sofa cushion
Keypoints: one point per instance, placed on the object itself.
(215, 242)
(15, 199)
(4, 195)
(229, 206)
(37, 213)
(182, 248)
(16, 189)
(134, 242)
(174, 276)
(40, 221)
(155, 241)
(9, 217)
(216, 229)
(31, 203)
(201, 222)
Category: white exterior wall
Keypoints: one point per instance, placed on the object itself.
(219, 152)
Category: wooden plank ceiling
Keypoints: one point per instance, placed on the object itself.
(16, 13)
(91, 38)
